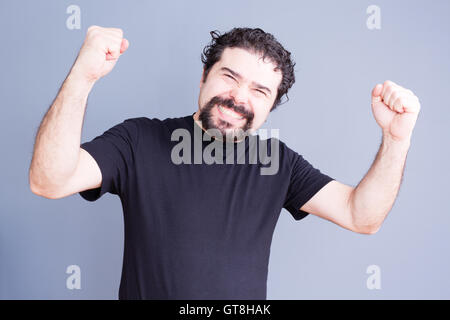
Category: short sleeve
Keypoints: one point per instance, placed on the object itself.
(305, 182)
(114, 152)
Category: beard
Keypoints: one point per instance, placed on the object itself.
(230, 131)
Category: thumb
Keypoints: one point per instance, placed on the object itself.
(124, 46)
(376, 93)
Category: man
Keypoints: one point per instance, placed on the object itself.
(196, 230)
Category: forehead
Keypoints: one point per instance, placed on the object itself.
(251, 66)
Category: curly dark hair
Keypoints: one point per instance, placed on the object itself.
(257, 41)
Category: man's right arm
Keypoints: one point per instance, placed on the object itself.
(59, 166)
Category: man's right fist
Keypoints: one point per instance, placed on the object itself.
(99, 53)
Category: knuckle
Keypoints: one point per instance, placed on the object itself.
(388, 91)
(115, 44)
(95, 36)
(391, 86)
(93, 33)
(394, 95)
(117, 31)
(387, 83)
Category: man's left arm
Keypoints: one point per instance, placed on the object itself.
(363, 208)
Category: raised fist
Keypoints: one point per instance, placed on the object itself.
(395, 109)
(100, 51)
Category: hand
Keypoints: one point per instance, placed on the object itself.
(395, 109)
(100, 51)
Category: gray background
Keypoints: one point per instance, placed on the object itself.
(328, 120)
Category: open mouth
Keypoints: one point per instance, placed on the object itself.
(231, 113)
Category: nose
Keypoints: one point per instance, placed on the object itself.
(240, 96)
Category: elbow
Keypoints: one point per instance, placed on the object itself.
(42, 193)
(368, 229)
(34, 186)
(372, 231)
(39, 192)
(35, 189)
(39, 189)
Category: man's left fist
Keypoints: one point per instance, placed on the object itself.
(395, 109)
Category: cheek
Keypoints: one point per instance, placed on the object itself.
(216, 88)
(260, 117)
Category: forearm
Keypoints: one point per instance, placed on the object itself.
(374, 196)
(58, 139)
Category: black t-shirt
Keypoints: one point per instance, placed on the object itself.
(196, 231)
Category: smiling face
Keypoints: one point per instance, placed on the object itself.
(238, 93)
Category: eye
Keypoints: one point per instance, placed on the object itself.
(227, 75)
(260, 91)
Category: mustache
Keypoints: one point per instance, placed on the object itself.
(230, 104)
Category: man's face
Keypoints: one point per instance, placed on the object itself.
(239, 92)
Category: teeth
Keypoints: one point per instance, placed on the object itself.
(230, 113)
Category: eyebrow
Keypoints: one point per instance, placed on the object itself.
(237, 75)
